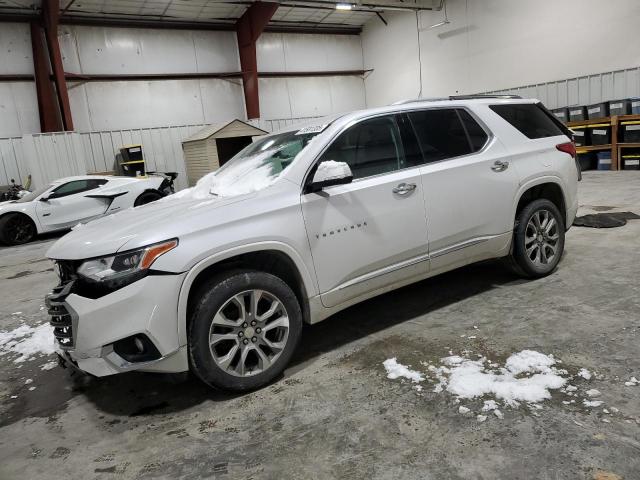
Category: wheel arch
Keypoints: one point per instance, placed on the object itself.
(272, 257)
(29, 215)
(550, 188)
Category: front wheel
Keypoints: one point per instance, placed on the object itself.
(244, 330)
(538, 239)
(16, 229)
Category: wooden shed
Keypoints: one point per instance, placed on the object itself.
(209, 149)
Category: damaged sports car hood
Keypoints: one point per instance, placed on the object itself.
(141, 226)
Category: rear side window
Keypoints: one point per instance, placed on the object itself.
(477, 136)
(529, 119)
(440, 133)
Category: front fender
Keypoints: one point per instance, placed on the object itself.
(218, 257)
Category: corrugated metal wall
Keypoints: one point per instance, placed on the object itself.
(582, 90)
(48, 156)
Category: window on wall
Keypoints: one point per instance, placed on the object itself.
(440, 133)
(371, 147)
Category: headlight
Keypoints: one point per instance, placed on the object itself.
(120, 269)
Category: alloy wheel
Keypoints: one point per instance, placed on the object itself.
(19, 229)
(541, 238)
(248, 333)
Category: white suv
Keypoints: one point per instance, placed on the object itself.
(303, 223)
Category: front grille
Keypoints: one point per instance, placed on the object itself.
(61, 318)
(67, 270)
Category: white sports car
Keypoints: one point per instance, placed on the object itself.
(66, 202)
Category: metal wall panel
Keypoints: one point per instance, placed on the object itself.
(304, 52)
(49, 156)
(15, 49)
(18, 109)
(601, 87)
(310, 96)
(108, 50)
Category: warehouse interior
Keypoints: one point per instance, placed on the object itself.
(178, 87)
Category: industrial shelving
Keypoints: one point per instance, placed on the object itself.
(615, 146)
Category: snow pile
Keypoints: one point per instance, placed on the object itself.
(237, 178)
(27, 342)
(330, 169)
(527, 377)
(397, 370)
(633, 381)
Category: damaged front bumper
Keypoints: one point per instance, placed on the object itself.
(133, 328)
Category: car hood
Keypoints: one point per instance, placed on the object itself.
(140, 226)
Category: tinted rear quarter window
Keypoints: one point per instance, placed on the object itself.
(477, 136)
(529, 119)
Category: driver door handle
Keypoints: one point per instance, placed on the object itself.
(499, 166)
(404, 188)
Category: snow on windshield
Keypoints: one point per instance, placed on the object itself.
(254, 168)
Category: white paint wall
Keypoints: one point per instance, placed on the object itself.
(498, 44)
(18, 103)
(148, 104)
(309, 96)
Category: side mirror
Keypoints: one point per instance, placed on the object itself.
(45, 198)
(330, 173)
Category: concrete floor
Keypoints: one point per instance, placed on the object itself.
(335, 414)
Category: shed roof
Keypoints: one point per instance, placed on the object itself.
(216, 129)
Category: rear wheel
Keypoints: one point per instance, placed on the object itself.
(244, 330)
(147, 197)
(538, 239)
(16, 229)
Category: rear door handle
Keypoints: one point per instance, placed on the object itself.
(499, 166)
(404, 188)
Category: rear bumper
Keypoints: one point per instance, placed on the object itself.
(148, 307)
(571, 214)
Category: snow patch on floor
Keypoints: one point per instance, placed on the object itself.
(527, 378)
(27, 342)
(397, 370)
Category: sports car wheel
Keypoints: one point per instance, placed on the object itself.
(244, 330)
(16, 229)
(147, 197)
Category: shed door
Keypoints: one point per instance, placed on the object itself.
(228, 147)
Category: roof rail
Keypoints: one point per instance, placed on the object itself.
(456, 97)
(471, 97)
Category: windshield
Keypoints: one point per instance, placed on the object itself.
(255, 167)
(30, 197)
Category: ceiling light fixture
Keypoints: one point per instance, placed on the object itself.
(344, 6)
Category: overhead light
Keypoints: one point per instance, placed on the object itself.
(344, 6)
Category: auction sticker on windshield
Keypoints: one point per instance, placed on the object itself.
(312, 129)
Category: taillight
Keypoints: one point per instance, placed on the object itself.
(568, 147)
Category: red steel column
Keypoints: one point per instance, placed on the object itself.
(47, 103)
(51, 17)
(248, 28)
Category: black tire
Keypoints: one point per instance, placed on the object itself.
(528, 256)
(16, 229)
(147, 197)
(212, 297)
